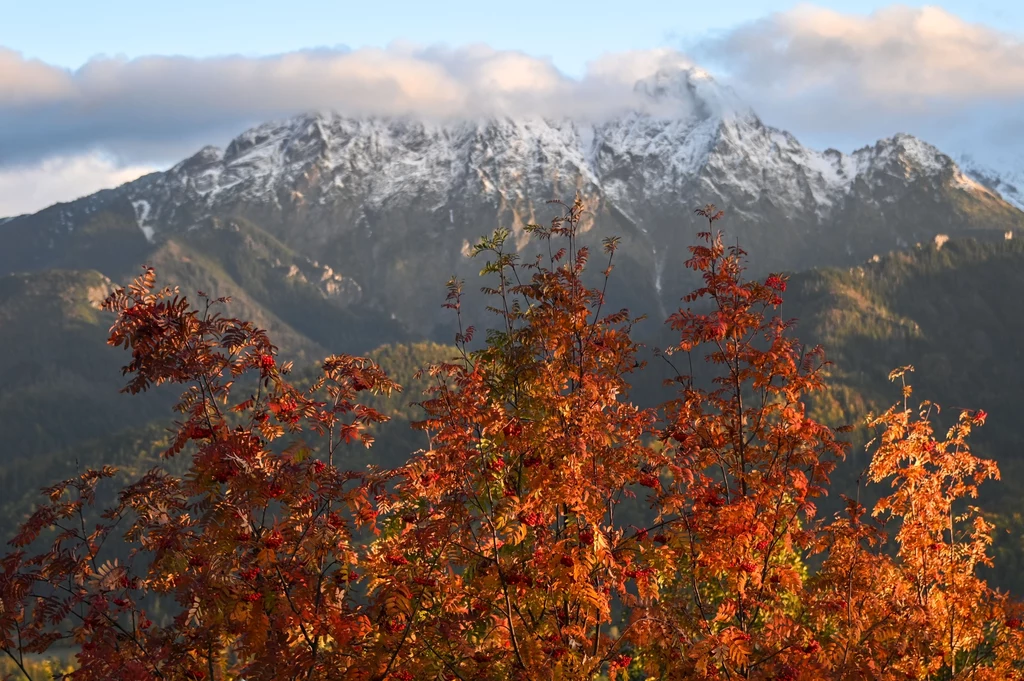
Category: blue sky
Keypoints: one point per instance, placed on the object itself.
(571, 32)
(96, 93)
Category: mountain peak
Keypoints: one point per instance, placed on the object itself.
(906, 150)
(920, 152)
(203, 158)
(695, 90)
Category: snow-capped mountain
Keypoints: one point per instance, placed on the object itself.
(393, 204)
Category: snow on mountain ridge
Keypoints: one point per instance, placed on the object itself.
(712, 140)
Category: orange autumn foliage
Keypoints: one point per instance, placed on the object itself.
(509, 548)
(921, 612)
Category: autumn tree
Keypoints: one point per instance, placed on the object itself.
(918, 610)
(505, 550)
(253, 544)
(742, 464)
(502, 556)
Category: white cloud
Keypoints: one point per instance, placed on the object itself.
(25, 189)
(167, 106)
(629, 67)
(918, 70)
(897, 56)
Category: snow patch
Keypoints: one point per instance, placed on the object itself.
(659, 269)
(142, 210)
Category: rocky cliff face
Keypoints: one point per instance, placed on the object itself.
(391, 206)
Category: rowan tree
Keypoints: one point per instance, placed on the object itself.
(743, 465)
(502, 555)
(254, 545)
(919, 610)
(504, 550)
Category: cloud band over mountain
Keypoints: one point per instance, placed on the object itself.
(148, 106)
